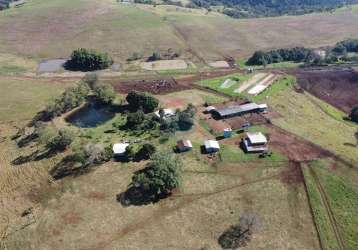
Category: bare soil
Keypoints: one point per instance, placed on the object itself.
(337, 86)
(296, 149)
(154, 86)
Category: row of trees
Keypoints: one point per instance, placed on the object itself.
(300, 54)
(297, 54)
(259, 8)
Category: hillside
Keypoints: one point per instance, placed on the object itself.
(121, 30)
(256, 8)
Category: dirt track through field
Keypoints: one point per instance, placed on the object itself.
(332, 219)
(187, 200)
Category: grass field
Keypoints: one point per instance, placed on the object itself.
(342, 194)
(215, 83)
(305, 118)
(22, 98)
(123, 29)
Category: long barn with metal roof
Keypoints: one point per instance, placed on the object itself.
(240, 110)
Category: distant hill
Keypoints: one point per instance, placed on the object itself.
(256, 8)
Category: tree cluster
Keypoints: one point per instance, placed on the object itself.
(88, 60)
(141, 101)
(92, 154)
(61, 141)
(144, 152)
(182, 120)
(70, 99)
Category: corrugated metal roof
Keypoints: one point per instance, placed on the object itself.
(211, 144)
(120, 148)
(256, 138)
(238, 109)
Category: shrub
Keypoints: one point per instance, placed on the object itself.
(145, 152)
(61, 141)
(88, 60)
(354, 114)
(104, 94)
(134, 119)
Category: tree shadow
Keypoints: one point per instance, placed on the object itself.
(23, 142)
(136, 196)
(34, 156)
(68, 167)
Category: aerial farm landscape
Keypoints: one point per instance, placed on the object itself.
(178, 125)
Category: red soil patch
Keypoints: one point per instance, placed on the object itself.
(294, 148)
(253, 118)
(293, 174)
(172, 102)
(154, 86)
(337, 86)
(71, 218)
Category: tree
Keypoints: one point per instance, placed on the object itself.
(91, 154)
(155, 57)
(354, 114)
(61, 141)
(160, 176)
(145, 152)
(185, 121)
(134, 119)
(104, 94)
(88, 60)
(140, 100)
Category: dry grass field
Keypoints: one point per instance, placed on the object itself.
(83, 213)
(123, 29)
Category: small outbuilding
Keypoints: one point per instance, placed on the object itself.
(166, 113)
(119, 149)
(184, 145)
(227, 132)
(255, 142)
(211, 146)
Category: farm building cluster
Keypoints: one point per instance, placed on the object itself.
(253, 142)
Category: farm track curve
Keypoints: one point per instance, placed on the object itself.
(332, 219)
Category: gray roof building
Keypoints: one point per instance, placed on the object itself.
(239, 109)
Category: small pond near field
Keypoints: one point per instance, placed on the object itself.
(91, 116)
(52, 65)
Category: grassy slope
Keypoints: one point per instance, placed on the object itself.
(342, 192)
(304, 118)
(21, 99)
(122, 29)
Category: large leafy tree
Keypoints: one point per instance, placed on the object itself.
(88, 60)
(140, 100)
(160, 176)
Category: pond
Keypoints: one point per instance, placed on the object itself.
(52, 65)
(90, 116)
